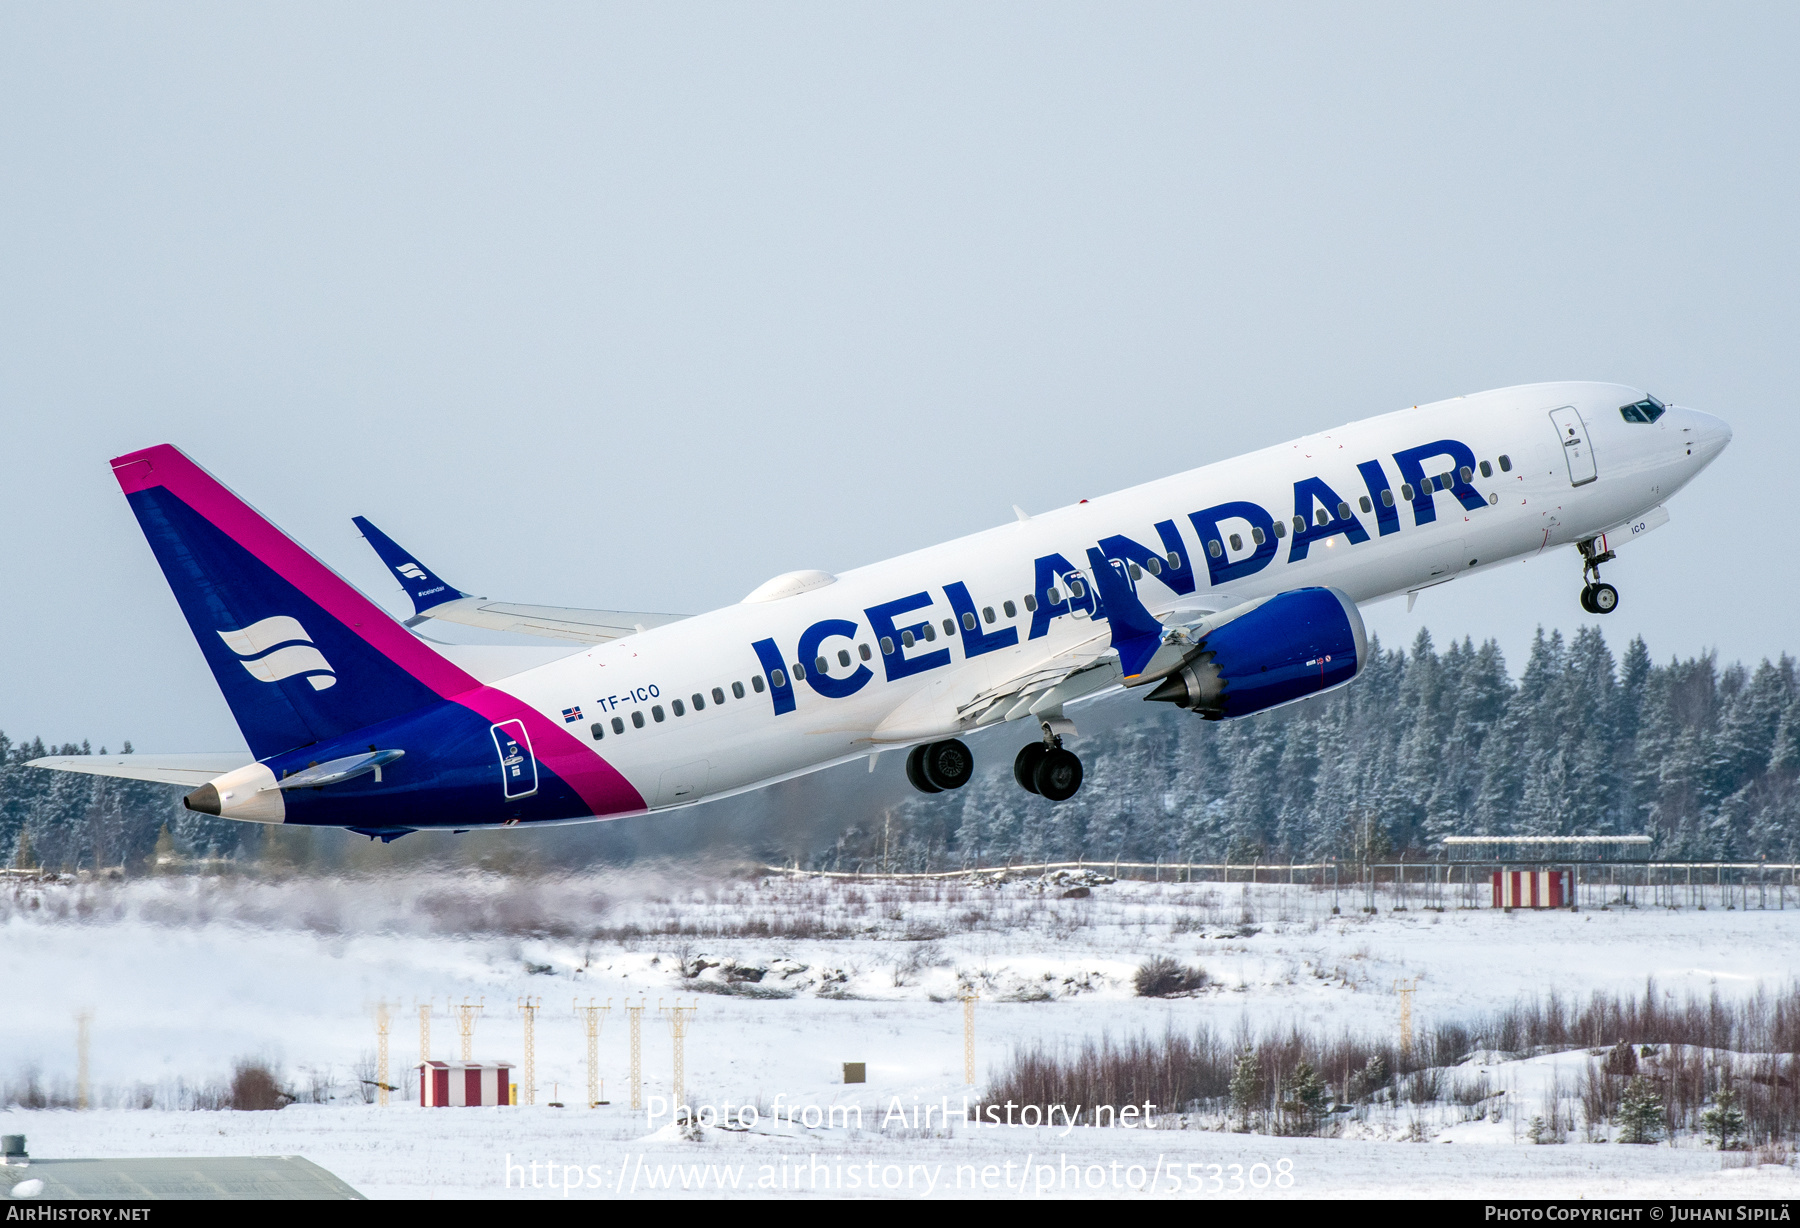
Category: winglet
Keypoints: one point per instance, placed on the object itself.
(422, 584)
(1136, 635)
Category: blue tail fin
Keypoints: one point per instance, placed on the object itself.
(420, 582)
(301, 656)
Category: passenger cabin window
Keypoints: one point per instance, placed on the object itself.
(1031, 604)
(862, 650)
(1078, 588)
(843, 658)
(1011, 610)
(1175, 559)
(906, 639)
(637, 720)
(779, 678)
(823, 665)
(1153, 565)
(680, 708)
(1136, 572)
(656, 713)
(1052, 595)
(1237, 541)
(1487, 469)
(930, 632)
(1343, 511)
(887, 646)
(1466, 473)
(598, 730)
(1299, 524)
(1505, 463)
(1256, 535)
(699, 701)
(799, 672)
(1645, 411)
(1387, 497)
(756, 684)
(618, 724)
(949, 626)
(1322, 516)
(987, 612)
(1212, 548)
(1406, 490)
(1364, 503)
(1280, 529)
(719, 695)
(737, 690)
(968, 621)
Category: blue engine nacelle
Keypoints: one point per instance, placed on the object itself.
(1290, 646)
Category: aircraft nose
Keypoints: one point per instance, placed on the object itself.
(1708, 435)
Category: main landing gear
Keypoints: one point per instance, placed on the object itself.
(1048, 770)
(937, 766)
(1596, 598)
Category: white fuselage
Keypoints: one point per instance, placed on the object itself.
(931, 689)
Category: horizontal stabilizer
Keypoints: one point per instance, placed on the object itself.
(337, 771)
(190, 770)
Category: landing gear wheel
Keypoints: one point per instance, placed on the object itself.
(1058, 776)
(948, 765)
(1026, 765)
(915, 771)
(1596, 598)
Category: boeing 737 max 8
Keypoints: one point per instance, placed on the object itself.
(1225, 590)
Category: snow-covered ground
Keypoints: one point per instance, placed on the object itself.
(184, 975)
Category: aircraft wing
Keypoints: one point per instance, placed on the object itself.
(189, 770)
(432, 597)
(1131, 647)
(553, 622)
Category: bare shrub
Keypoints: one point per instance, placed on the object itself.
(364, 1083)
(254, 1086)
(1162, 977)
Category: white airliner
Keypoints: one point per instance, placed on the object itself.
(1226, 590)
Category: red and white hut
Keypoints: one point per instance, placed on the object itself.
(1531, 888)
(446, 1085)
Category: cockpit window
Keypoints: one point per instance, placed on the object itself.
(1646, 411)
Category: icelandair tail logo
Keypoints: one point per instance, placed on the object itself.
(412, 571)
(278, 648)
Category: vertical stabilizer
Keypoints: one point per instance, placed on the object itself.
(300, 654)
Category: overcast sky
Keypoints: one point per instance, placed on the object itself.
(636, 306)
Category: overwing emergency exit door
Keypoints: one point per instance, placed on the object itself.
(1572, 432)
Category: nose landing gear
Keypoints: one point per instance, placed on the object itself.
(1596, 598)
(1048, 770)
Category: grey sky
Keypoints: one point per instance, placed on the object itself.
(637, 306)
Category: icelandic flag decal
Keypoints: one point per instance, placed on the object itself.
(571, 715)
